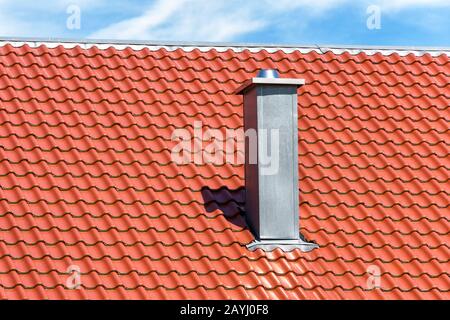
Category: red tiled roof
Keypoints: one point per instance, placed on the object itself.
(87, 177)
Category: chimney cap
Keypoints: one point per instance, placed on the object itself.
(268, 77)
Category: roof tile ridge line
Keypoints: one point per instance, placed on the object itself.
(216, 44)
(223, 46)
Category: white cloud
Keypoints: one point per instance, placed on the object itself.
(138, 27)
(227, 20)
(206, 20)
(199, 20)
(185, 20)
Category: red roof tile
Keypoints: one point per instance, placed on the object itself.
(87, 177)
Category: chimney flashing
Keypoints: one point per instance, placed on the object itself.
(284, 245)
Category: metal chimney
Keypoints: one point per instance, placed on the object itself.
(272, 197)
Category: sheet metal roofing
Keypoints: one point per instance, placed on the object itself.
(88, 181)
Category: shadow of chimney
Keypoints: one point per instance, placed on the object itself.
(231, 202)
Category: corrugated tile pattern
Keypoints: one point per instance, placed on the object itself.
(87, 177)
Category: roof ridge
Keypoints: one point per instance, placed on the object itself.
(222, 46)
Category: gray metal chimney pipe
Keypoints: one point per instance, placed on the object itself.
(272, 197)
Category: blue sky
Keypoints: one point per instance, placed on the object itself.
(362, 22)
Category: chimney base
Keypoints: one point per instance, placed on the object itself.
(284, 245)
